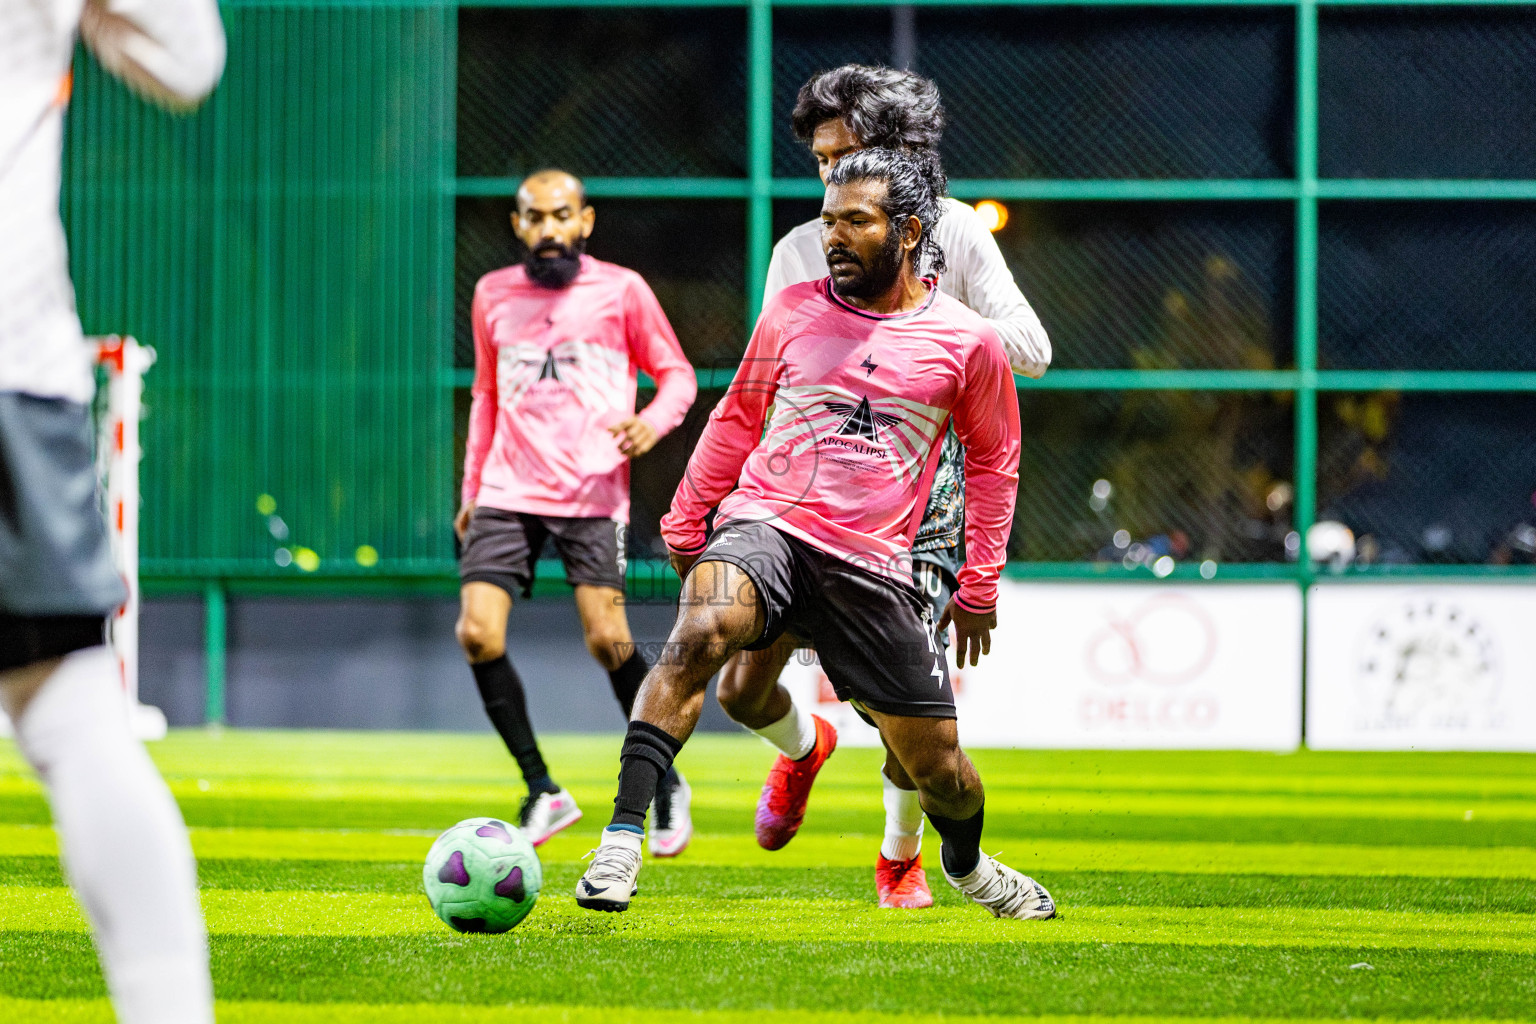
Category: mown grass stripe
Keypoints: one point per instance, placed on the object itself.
(266, 751)
(434, 815)
(814, 849)
(98, 1011)
(767, 976)
(725, 761)
(1071, 888)
(1039, 797)
(806, 920)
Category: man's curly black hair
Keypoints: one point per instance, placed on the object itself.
(884, 107)
(909, 192)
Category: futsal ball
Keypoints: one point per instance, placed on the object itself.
(482, 876)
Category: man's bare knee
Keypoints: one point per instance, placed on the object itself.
(702, 635)
(896, 772)
(479, 641)
(610, 647)
(943, 778)
(18, 686)
(732, 684)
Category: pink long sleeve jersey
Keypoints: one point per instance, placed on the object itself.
(856, 405)
(554, 369)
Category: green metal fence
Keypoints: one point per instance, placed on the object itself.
(1283, 250)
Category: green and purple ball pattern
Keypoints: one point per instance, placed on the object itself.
(482, 875)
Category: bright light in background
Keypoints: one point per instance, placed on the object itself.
(994, 215)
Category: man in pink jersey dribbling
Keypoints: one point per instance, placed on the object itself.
(858, 375)
(558, 341)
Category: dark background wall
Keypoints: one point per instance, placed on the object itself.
(381, 664)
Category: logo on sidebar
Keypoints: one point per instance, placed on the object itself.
(1428, 663)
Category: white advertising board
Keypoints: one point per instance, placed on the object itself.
(1399, 667)
(1121, 665)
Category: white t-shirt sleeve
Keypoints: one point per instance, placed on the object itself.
(785, 266)
(979, 277)
(169, 51)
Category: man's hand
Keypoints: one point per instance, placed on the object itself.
(682, 563)
(461, 521)
(973, 632)
(635, 436)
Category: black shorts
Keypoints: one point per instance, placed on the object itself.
(875, 636)
(502, 547)
(937, 583)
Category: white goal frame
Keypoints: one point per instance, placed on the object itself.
(118, 454)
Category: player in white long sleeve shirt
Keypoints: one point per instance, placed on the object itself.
(977, 275)
(120, 833)
(839, 112)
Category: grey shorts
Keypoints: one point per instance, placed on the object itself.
(57, 581)
(502, 547)
(55, 558)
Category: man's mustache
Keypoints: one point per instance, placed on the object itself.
(837, 252)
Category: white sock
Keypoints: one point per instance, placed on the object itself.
(794, 734)
(123, 842)
(903, 822)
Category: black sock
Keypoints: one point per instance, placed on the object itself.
(961, 851)
(626, 680)
(646, 758)
(502, 692)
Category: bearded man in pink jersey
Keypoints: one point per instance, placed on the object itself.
(858, 376)
(839, 112)
(552, 427)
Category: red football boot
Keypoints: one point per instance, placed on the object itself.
(781, 807)
(902, 883)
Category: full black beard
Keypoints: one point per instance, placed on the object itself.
(879, 276)
(556, 271)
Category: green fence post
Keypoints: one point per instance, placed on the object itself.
(215, 620)
(1306, 311)
(759, 152)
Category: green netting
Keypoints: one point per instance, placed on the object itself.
(1086, 93)
(1157, 286)
(1429, 286)
(1415, 93)
(1447, 478)
(610, 92)
(1117, 476)
(1101, 93)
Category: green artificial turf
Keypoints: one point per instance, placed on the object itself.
(1192, 885)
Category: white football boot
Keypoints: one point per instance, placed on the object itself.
(609, 881)
(671, 822)
(1005, 892)
(544, 815)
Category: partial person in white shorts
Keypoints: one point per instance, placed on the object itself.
(123, 841)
